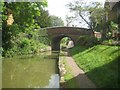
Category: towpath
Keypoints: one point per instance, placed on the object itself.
(79, 75)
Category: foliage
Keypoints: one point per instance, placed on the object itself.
(70, 82)
(87, 41)
(93, 14)
(110, 42)
(112, 30)
(93, 10)
(64, 41)
(25, 44)
(113, 26)
(100, 63)
(1, 6)
(44, 19)
(56, 21)
(1, 50)
(69, 20)
(20, 37)
(43, 37)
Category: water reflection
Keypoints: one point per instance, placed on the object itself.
(54, 81)
(30, 72)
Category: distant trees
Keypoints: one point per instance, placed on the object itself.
(46, 20)
(68, 20)
(56, 21)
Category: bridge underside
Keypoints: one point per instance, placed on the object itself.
(55, 43)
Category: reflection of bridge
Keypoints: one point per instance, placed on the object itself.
(57, 33)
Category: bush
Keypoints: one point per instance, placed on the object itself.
(87, 41)
(110, 42)
(24, 43)
(24, 46)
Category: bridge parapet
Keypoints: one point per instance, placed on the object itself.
(57, 33)
(68, 31)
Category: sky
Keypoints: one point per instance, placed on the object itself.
(58, 8)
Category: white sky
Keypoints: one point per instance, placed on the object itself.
(58, 8)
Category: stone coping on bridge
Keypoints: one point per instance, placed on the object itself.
(66, 27)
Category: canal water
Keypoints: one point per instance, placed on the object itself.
(40, 71)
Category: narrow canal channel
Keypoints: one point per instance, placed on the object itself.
(40, 71)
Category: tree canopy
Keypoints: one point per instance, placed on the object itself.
(91, 13)
(23, 15)
(21, 26)
(56, 21)
(44, 19)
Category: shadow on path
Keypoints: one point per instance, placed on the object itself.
(80, 78)
(110, 80)
(107, 75)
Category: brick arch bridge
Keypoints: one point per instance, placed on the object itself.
(57, 33)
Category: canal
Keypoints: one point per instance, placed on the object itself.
(30, 71)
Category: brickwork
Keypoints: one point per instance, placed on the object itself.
(57, 33)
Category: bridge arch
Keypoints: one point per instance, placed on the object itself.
(57, 33)
(55, 43)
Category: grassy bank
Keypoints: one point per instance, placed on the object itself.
(100, 63)
(69, 82)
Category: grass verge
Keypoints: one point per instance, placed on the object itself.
(100, 63)
(69, 81)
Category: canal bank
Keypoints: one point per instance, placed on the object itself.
(71, 75)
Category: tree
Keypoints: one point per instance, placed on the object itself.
(69, 20)
(93, 14)
(56, 21)
(24, 14)
(44, 19)
(1, 6)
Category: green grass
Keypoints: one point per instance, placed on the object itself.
(99, 62)
(69, 78)
(70, 82)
